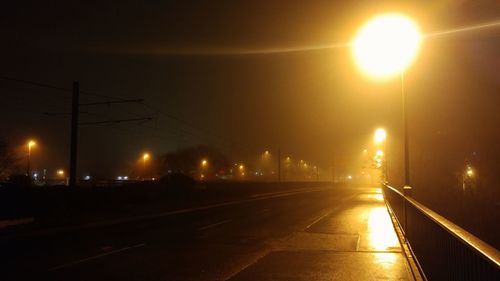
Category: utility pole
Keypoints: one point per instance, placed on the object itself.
(75, 111)
(74, 134)
(279, 165)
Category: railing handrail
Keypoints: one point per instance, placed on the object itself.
(489, 252)
(395, 190)
(492, 254)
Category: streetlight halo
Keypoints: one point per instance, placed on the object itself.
(379, 136)
(386, 45)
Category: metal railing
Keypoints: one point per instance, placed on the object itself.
(443, 250)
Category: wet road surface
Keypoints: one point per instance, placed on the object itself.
(333, 233)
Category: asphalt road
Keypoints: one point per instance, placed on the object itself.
(334, 233)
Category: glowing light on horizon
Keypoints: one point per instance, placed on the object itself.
(379, 136)
(31, 143)
(470, 172)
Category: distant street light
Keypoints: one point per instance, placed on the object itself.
(385, 47)
(241, 167)
(60, 173)
(379, 136)
(145, 158)
(204, 165)
(31, 143)
(470, 172)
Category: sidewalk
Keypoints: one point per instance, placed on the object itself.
(356, 241)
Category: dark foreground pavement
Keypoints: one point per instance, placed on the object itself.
(334, 233)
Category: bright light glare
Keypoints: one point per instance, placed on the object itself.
(379, 136)
(381, 232)
(470, 172)
(386, 45)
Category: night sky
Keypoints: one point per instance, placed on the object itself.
(212, 72)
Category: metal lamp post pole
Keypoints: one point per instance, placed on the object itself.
(406, 188)
(405, 131)
(28, 169)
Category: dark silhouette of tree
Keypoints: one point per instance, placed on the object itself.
(189, 161)
(9, 161)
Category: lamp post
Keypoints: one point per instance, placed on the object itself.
(380, 139)
(145, 157)
(31, 143)
(385, 47)
(204, 165)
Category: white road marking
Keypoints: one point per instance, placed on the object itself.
(95, 257)
(329, 211)
(213, 225)
(165, 214)
(284, 192)
(318, 219)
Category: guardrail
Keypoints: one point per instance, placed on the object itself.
(443, 250)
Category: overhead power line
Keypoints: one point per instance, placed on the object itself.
(112, 102)
(114, 99)
(116, 121)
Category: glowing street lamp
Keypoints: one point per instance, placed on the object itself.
(204, 163)
(379, 136)
(60, 173)
(30, 144)
(145, 158)
(385, 47)
(470, 172)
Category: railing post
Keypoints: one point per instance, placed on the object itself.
(407, 192)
